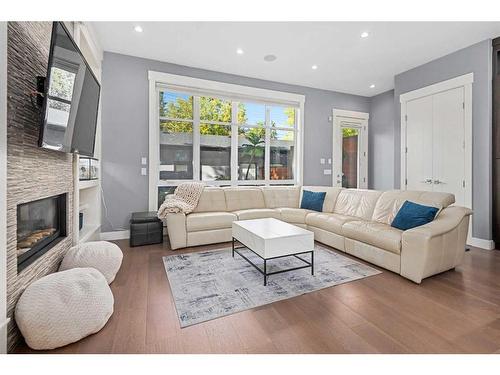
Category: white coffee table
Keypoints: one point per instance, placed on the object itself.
(271, 239)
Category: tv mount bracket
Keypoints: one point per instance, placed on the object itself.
(40, 91)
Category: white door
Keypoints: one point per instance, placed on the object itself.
(435, 143)
(419, 144)
(350, 149)
(449, 144)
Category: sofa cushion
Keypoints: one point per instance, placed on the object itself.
(412, 215)
(209, 220)
(376, 234)
(257, 213)
(243, 198)
(313, 200)
(212, 199)
(331, 195)
(281, 196)
(294, 215)
(329, 222)
(357, 202)
(391, 201)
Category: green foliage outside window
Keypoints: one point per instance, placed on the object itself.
(349, 132)
(211, 109)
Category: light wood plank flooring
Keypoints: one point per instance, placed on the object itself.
(454, 312)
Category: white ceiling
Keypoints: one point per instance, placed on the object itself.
(346, 62)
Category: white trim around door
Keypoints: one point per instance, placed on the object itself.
(357, 120)
(464, 81)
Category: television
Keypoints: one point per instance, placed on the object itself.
(70, 98)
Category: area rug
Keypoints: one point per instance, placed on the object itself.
(212, 284)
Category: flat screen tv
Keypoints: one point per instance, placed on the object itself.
(71, 98)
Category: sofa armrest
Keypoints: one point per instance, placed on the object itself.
(447, 220)
(176, 226)
(435, 247)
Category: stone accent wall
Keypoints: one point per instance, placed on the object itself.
(32, 173)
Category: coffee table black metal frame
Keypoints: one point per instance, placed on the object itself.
(264, 272)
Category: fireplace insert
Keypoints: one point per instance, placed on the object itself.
(40, 225)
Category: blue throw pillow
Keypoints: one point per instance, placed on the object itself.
(412, 215)
(312, 200)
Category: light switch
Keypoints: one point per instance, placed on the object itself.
(327, 171)
(144, 161)
(144, 172)
(322, 161)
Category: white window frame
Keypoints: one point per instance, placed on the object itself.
(173, 82)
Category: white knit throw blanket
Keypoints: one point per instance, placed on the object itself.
(185, 199)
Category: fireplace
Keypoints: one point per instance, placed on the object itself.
(41, 224)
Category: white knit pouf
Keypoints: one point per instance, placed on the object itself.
(104, 256)
(64, 307)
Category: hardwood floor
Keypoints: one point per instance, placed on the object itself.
(454, 312)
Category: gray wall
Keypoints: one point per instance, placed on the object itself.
(125, 129)
(381, 142)
(476, 59)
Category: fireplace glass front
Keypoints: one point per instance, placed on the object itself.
(40, 225)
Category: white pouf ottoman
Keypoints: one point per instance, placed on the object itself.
(104, 256)
(64, 307)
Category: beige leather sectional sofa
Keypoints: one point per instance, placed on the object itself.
(354, 221)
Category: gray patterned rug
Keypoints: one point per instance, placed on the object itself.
(212, 284)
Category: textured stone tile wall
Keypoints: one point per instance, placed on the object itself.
(32, 172)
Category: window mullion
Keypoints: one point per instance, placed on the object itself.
(234, 143)
(196, 138)
(267, 155)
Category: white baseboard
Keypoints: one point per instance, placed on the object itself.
(3, 336)
(121, 235)
(482, 244)
(115, 235)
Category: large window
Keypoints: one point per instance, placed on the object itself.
(222, 139)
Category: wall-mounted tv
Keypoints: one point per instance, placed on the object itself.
(71, 98)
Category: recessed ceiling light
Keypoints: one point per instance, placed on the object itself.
(270, 58)
(314, 67)
(364, 34)
(239, 51)
(138, 29)
(372, 86)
